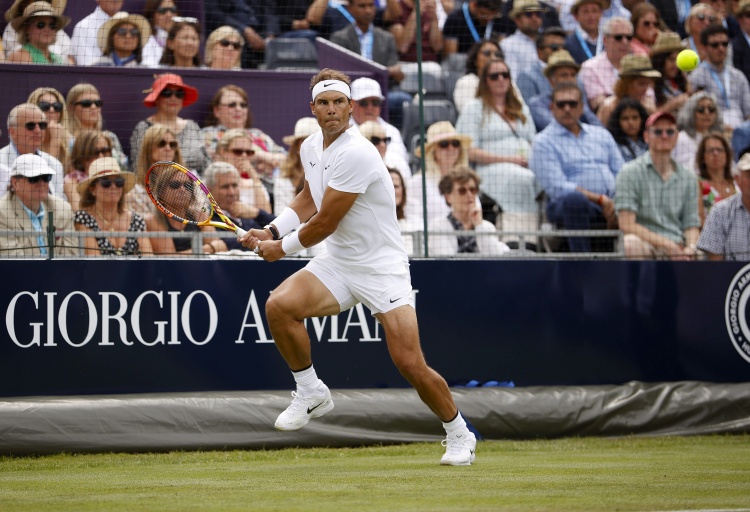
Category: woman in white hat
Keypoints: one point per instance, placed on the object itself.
(37, 30)
(102, 210)
(121, 40)
(62, 44)
(291, 179)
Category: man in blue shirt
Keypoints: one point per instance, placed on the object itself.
(576, 164)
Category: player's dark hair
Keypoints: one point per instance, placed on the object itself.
(712, 30)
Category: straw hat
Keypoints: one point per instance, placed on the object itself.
(637, 65)
(161, 83)
(521, 6)
(103, 167)
(303, 128)
(14, 11)
(38, 10)
(604, 4)
(668, 42)
(141, 23)
(560, 59)
(743, 7)
(442, 130)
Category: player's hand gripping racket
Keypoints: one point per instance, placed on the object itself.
(181, 196)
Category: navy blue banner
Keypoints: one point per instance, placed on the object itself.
(89, 327)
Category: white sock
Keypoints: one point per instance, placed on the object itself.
(455, 425)
(308, 383)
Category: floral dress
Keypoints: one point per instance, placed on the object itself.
(131, 246)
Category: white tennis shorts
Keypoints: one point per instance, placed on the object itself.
(379, 292)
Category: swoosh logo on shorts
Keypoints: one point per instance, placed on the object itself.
(396, 300)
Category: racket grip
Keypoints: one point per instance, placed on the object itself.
(240, 232)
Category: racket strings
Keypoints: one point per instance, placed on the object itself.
(177, 194)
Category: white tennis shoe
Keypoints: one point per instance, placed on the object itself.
(459, 449)
(303, 409)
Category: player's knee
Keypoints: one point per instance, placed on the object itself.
(276, 307)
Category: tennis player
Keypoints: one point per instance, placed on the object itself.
(347, 200)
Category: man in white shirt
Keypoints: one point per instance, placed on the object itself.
(520, 48)
(26, 126)
(85, 49)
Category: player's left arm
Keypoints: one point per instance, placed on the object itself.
(334, 207)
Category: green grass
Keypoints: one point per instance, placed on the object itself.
(625, 474)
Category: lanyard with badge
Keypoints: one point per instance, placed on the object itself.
(722, 83)
(473, 28)
(584, 44)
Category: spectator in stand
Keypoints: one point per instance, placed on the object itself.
(700, 17)
(475, 21)
(85, 113)
(561, 68)
(599, 74)
(741, 139)
(375, 133)
(169, 94)
(291, 178)
(57, 140)
(160, 14)
(237, 148)
(183, 44)
(700, 116)
(256, 20)
(159, 145)
(293, 20)
(230, 109)
(627, 124)
(399, 188)
(740, 43)
(720, 78)
(671, 89)
(549, 16)
(85, 51)
(460, 190)
(88, 146)
(576, 164)
(533, 82)
(405, 27)
(725, 233)
(586, 40)
(25, 208)
(103, 209)
(224, 182)
(636, 81)
(61, 46)
(502, 130)
(224, 49)
(724, 13)
(367, 100)
(121, 40)
(647, 24)
(466, 86)
(714, 162)
(26, 126)
(37, 30)
(674, 13)
(520, 48)
(657, 199)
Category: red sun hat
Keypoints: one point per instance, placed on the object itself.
(162, 82)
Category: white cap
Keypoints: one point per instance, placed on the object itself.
(366, 88)
(30, 165)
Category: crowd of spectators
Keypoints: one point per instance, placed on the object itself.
(571, 114)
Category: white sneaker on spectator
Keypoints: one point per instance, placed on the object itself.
(460, 448)
(302, 409)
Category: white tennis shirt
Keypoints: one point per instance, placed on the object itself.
(368, 237)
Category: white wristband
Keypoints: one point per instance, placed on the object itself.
(291, 243)
(286, 222)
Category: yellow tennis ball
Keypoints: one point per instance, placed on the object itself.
(687, 60)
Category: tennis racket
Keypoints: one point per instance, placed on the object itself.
(182, 196)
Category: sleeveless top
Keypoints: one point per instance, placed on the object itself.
(37, 57)
(183, 243)
(131, 247)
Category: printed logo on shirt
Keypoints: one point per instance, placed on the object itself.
(735, 312)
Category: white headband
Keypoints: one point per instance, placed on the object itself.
(331, 85)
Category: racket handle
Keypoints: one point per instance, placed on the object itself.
(240, 232)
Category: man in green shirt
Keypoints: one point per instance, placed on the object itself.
(656, 199)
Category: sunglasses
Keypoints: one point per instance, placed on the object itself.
(46, 105)
(233, 44)
(106, 182)
(716, 150)
(669, 132)
(165, 10)
(495, 76)
(554, 47)
(90, 103)
(532, 14)
(703, 17)
(163, 143)
(122, 31)
(242, 152)
(31, 125)
(367, 103)
(561, 104)
(378, 140)
(102, 151)
(168, 93)
(44, 177)
(723, 44)
(41, 25)
(620, 37)
(445, 143)
(463, 190)
(710, 109)
(492, 53)
(235, 104)
(187, 185)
